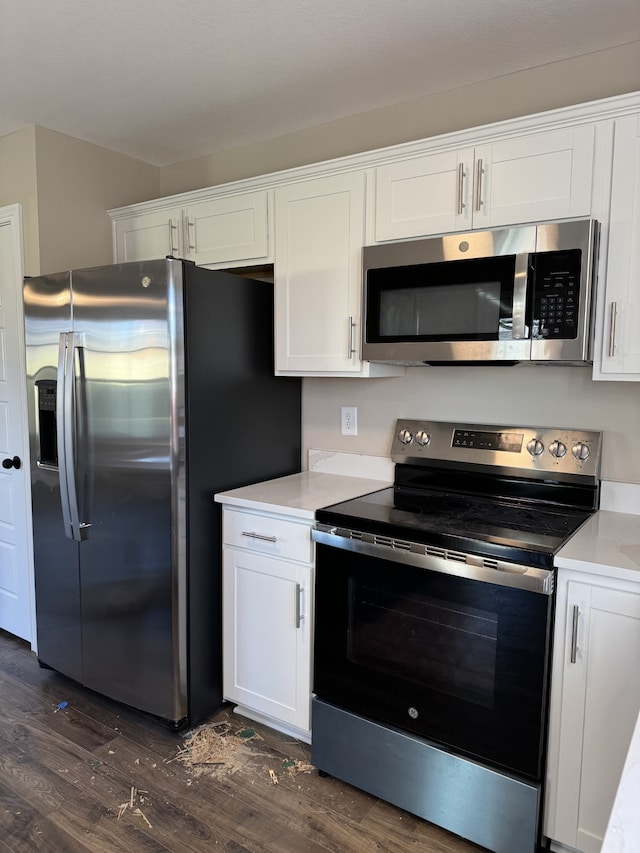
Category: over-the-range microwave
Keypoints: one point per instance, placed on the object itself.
(521, 294)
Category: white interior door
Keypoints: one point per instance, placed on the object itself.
(17, 610)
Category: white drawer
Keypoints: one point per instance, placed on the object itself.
(268, 534)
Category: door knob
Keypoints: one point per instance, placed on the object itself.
(12, 463)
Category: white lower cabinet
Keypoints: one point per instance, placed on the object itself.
(267, 619)
(595, 700)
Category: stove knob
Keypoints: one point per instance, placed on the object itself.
(423, 438)
(557, 449)
(535, 447)
(405, 436)
(581, 451)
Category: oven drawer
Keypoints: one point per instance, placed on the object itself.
(268, 534)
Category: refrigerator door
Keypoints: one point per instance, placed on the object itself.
(129, 479)
(47, 316)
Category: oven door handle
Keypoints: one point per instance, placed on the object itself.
(436, 559)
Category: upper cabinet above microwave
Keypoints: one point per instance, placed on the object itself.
(529, 178)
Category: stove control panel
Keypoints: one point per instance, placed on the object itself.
(543, 451)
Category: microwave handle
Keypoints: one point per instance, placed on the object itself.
(519, 329)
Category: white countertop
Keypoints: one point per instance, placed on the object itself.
(300, 495)
(608, 544)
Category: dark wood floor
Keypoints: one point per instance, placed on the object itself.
(94, 776)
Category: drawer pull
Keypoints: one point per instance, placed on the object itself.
(259, 536)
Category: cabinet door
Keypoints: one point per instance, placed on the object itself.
(319, 234)
(424, 195)
(532, 178)
(149, 236)
(526, 179)
(600, 704)
(266, 644)
(233, 229)
(621, 339)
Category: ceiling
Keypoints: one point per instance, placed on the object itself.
(169, 80)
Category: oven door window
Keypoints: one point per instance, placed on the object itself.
(463, 300)
(447, 646)
(457, 661)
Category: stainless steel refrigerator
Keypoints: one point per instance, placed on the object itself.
(150, 387)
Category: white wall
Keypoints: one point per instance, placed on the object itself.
(525, 395)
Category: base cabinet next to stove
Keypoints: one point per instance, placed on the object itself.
(267, 618)
(595, 699)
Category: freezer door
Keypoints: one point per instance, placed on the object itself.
(47, 316)
(129, 476)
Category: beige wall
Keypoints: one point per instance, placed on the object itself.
(65, 187)
(18, 186)
(525, 395)
(559, 84)
(77, 183)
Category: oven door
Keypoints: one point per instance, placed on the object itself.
(461, 662)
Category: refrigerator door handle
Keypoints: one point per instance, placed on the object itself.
(66, 418)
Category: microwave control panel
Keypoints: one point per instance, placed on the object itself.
(556, 293)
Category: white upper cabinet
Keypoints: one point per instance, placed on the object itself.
(319, 234)
(523, 179)
(311, 223)
(228, 229)
(148, 236)
(619, 355)
(221, 231)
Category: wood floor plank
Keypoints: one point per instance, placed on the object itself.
(64, 774)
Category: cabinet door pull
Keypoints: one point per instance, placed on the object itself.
(191, 223)
(351, 350)
(185, 231)
(299, 613)
(252, 535)
(478, 187)
(172, 228)
(461, 177)
(574, 633)
(612, 329)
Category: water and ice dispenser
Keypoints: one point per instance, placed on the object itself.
(46, 420)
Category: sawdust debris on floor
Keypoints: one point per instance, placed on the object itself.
(217, 747)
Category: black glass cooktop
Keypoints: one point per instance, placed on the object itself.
(505, 529)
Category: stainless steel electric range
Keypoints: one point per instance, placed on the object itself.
(433, 623)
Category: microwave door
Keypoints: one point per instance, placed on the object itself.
(471, 310)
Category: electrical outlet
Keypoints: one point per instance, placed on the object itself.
(348, 420)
